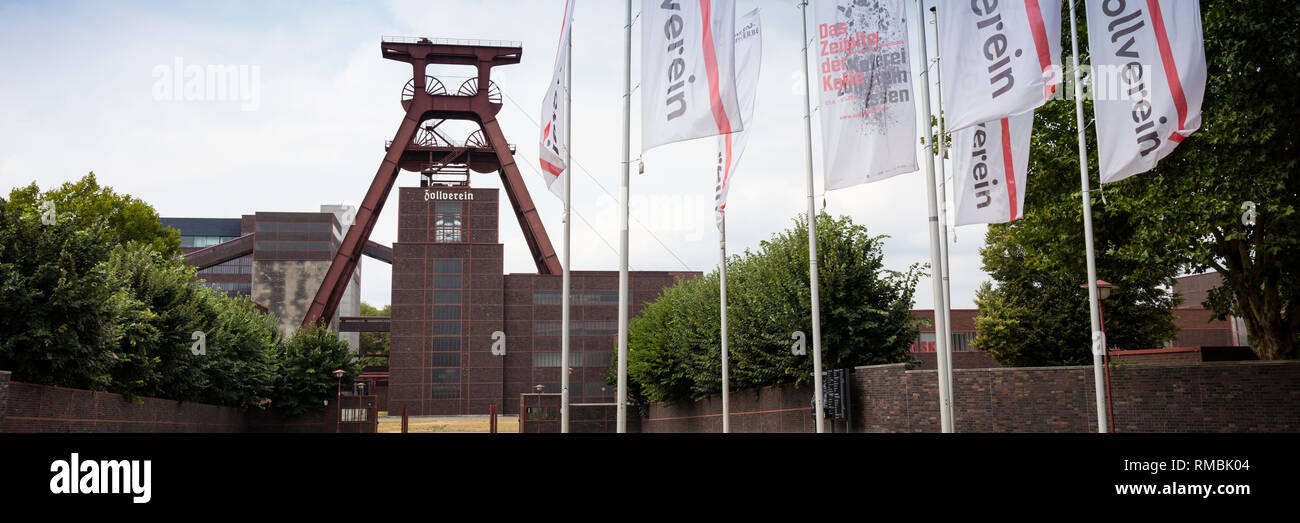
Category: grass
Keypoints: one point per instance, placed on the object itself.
(448, 424)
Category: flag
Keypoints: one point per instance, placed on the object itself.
(749, 56)
(867, 112)
(688, 82)
(551, 148)
(1148, 80)
(998, 58)
(989, 165)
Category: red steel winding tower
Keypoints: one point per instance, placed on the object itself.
(419, 146)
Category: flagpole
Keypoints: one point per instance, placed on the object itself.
(622, 220)
(1098, 336)
(936, 267)
(568, 191)
(726, 403)
(812, 237)
(943, 213)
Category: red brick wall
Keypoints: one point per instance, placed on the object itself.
(1201, 397)
(782, 408)
(1249, 396)
(26, 407)
(966, 359)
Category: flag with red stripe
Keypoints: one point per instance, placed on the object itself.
(688, 81)
(998, 58)
(1148, 80)
(989, 162)
(749, 58)
(864, 75)
(550, 152)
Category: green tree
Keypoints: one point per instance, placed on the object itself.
(56, 307)
(305, 378)
(119, 218)
(374, 345)
(1190, 209)
(866, 317)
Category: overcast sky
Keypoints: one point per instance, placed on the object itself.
(81, 92)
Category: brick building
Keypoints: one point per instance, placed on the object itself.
(452, 301)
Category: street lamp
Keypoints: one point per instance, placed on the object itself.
(339, 398)
(1103, 291)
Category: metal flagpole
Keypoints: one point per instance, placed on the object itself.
(568, 190)
(943, 217)
(622, 222)
(726, 402)
(812, 238)
(1098, 337)
(936, 267)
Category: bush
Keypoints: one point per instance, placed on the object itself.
(305, 378)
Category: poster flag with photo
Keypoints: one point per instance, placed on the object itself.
(688, 80)
(989, 163)
(866, 107)
(749, 56)
(998, 58)
(551, 148)
(1148, 80)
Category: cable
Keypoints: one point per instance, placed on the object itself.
(598, 184)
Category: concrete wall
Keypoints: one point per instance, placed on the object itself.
(286, 289)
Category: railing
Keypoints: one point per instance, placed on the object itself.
(452, 145)
(450, 41)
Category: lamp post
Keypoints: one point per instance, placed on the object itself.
(1104, 289)
(338, 398)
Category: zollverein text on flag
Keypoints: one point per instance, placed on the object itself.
(1148, 80)
(688, 81)
(989, 162)
(867, 111)
(998, 58)
(749, 56)
(550, 152)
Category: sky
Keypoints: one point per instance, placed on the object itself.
(85, 89)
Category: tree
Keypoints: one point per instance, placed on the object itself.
(305, 378)
(119, 218)
(866, 317)
(56, 308)
(374, 345)
(1194, 206)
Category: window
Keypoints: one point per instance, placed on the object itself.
(446, 312)
(448, 222)
(577, 298)
(444, 359)
(445, 345)
(446, 297)
(548, 359)
(446, 282)
(446, 266)
(444, 392)
(446, 328)
(542, 413)
(445, 376)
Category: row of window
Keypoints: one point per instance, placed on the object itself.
(325, 246)
(576, 297)
(204, 241)
(229, 267)
(294, 227)
(576, 359)
(961, 341)
(576, 328)
(588, 390)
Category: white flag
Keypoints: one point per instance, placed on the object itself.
(749, 56)
(868, 117)
(688, 81)
(998, 58)
(551, 149)
(989, 166)
(1148, 80)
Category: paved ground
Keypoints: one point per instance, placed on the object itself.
(450, 424)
